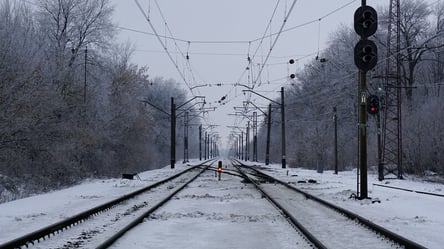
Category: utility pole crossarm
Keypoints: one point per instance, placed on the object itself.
(185, 110)
(157, 108)
(277, 103)
(251, 102)
(186, 102)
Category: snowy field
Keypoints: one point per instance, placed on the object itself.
(415, 216)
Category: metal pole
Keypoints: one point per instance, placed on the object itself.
(363, 134)
(210, 146)
(267, 149)
(173, 133)
(380, 163)
(242, 145)
(214, 148)
(335, 118)
(187, 117)
(235, 147)
(238, 148)
(185, 138)
(200, 142)
(205, 146)
(247, 142)
(284, 160)
(254, 136)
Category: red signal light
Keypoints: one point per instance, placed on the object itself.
(372, 104)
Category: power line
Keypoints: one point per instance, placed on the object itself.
(149, 33)
(186, 57)
(308, 22)
(275, 41)
(238, 41)
(163, 44)
(271, 47)
(265, 32)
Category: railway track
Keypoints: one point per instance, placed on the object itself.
(324, 224)
(109, 217)
(229, 204)
(216, 213)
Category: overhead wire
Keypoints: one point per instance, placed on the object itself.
(275, 41)
(163, 44)
(261, 40)
(260, 45)
(186, 56)
(225, 41)
(240, 41)
(273, 44)
(309, 22)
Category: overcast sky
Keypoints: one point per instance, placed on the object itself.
(218, 36)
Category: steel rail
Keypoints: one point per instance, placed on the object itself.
(310, 237)
(408, 244)
(140, 219)
(49, 230)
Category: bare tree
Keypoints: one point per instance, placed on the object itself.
(74, 24)
(70, 26)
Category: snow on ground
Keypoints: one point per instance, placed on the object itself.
(29, 214)
(416, 216)
(215, 214)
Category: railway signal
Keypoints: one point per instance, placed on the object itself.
(365, 24)
(366, 55)
(365, 21)
(372, 104)
(366, 58)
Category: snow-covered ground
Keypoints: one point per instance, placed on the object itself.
(218, 215)
(415, 216)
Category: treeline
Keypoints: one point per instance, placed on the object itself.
(70, 100)
(331, 80)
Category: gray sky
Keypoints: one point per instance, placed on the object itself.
(219, 35)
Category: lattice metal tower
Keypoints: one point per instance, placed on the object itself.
(391, 127)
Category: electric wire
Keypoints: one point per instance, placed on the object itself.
(176, 39)
(354, 73)
(308, 22)
(150, 34)
(263, 37)
(266, 30)
(186, 57)
(163, 44)
(271, 47)
(242, 41)
(275, 42)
